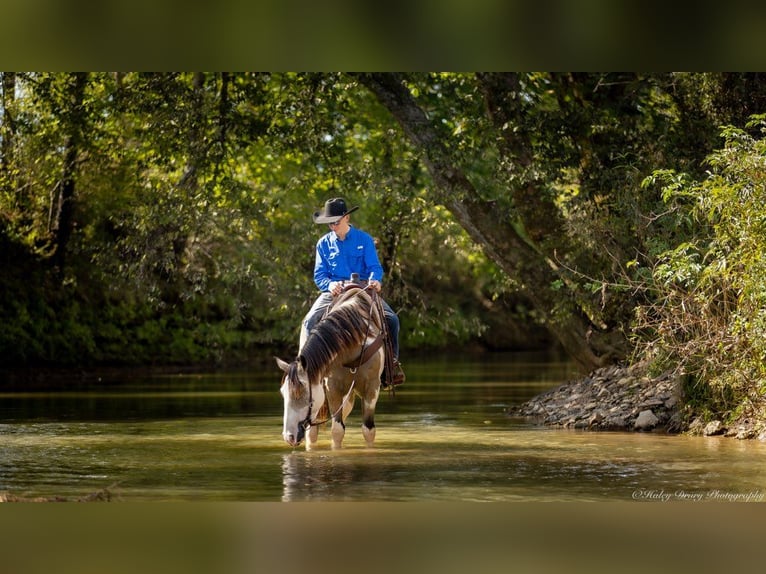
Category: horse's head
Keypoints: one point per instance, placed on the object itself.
(302, 402)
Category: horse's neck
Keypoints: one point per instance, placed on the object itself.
(343, 297)
(323, 356)
(323, 363)
(319, 358)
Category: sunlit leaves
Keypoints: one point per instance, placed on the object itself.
(708, 318)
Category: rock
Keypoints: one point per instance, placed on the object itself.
(713, 428)
(618, 398)
(671, 402)
(646, 420)
(651, 403)
(744, 432)
(696, 426)
(615, 423)
(675, 423)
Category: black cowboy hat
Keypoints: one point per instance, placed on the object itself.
(332, 211)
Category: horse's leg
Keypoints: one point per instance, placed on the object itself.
(368, 418)
(368, 431)
(339, 421)
(337, 432)
(338, 428)
(313, 434)
(311, 437)
(348, 406)
(370, 400)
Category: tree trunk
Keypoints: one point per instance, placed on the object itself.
(8, 134)
(63, 220)
(516, 253)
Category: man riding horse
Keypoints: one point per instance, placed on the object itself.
(343, 251)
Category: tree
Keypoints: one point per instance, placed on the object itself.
(73, 119)
(544, 171)
(707, 320)
(177, 205)
(7, 134)
(512, 240)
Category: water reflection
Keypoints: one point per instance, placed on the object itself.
(456, 463)
(445, 436)
(312, 476)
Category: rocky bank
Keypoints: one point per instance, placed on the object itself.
(625, 398)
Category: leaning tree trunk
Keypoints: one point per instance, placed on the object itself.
(491, 228)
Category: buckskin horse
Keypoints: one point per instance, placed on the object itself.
(342, 358)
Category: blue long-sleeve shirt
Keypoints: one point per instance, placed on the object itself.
(336, 260)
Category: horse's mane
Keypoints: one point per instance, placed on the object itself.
(344, 327)
(293, 381)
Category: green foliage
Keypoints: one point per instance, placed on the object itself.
(192, 237)
(708, 320)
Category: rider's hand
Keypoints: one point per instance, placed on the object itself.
(375, 284)
(336, 287)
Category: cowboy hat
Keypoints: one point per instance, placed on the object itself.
(332, 211)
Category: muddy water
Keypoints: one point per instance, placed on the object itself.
(445, 436)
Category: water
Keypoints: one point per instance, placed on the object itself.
(445, 436)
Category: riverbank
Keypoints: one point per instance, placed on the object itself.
(626, 398)
(51, 377)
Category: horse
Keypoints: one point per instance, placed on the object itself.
(342, 358)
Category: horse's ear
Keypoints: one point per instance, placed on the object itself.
(282, 364)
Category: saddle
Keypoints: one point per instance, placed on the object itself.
(389, 370)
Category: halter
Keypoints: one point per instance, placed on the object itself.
(363, 358)
(306, 422)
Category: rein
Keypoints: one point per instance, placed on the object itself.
(365, 355)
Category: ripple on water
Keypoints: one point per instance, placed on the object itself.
(444, 437)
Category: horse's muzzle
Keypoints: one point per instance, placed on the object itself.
(301, 434)
(293, 439)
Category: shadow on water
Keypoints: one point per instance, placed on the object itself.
(445, 436)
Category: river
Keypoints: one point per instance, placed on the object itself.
(444, 436)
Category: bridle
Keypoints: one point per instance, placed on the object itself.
(363, 358)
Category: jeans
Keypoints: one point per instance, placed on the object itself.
(324, 300)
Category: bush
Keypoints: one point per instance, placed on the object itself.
(708, 318)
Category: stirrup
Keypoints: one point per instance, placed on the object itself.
(398, 376)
